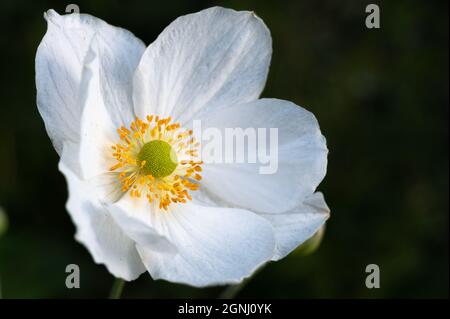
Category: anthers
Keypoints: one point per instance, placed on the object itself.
(155, 158)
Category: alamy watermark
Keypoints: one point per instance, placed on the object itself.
(238, 145)
(373, 19)
(73, 277)
(373, 277)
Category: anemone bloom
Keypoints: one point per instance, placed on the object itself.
(120, 116)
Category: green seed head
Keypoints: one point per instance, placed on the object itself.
(160, 159)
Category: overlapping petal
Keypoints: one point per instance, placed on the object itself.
(72, 41)
(213, 245)
(209, 59)
(98, 231)
(296, 226)
(299, 156)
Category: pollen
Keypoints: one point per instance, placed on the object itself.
(158, 161)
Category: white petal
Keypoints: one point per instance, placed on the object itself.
(98, 231)
(212, 245)
(97, 128)
(119, 53)
(295, 227)
(107, 78)
(299, 165)
(141, 224)
(207, 59)
(61, 78)
(59, 63)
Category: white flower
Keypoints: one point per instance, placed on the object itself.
(105, 97)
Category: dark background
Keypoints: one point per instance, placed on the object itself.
(380, 95)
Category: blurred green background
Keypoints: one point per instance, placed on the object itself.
(380, 95)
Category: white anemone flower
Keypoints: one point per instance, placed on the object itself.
(118, 112)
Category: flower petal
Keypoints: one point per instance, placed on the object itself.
(107, 78)
(299, 156)
(97, 127)
(59, 63)
(98, 231)
(141, 224)
(213, 245)
(61, 78)
(295, 227)
(208, 59)
(118, 52)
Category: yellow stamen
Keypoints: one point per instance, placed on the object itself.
(135, 171)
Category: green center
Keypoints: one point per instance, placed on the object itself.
(160, 159)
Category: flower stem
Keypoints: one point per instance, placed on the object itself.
(232, 290)
(117, 288)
